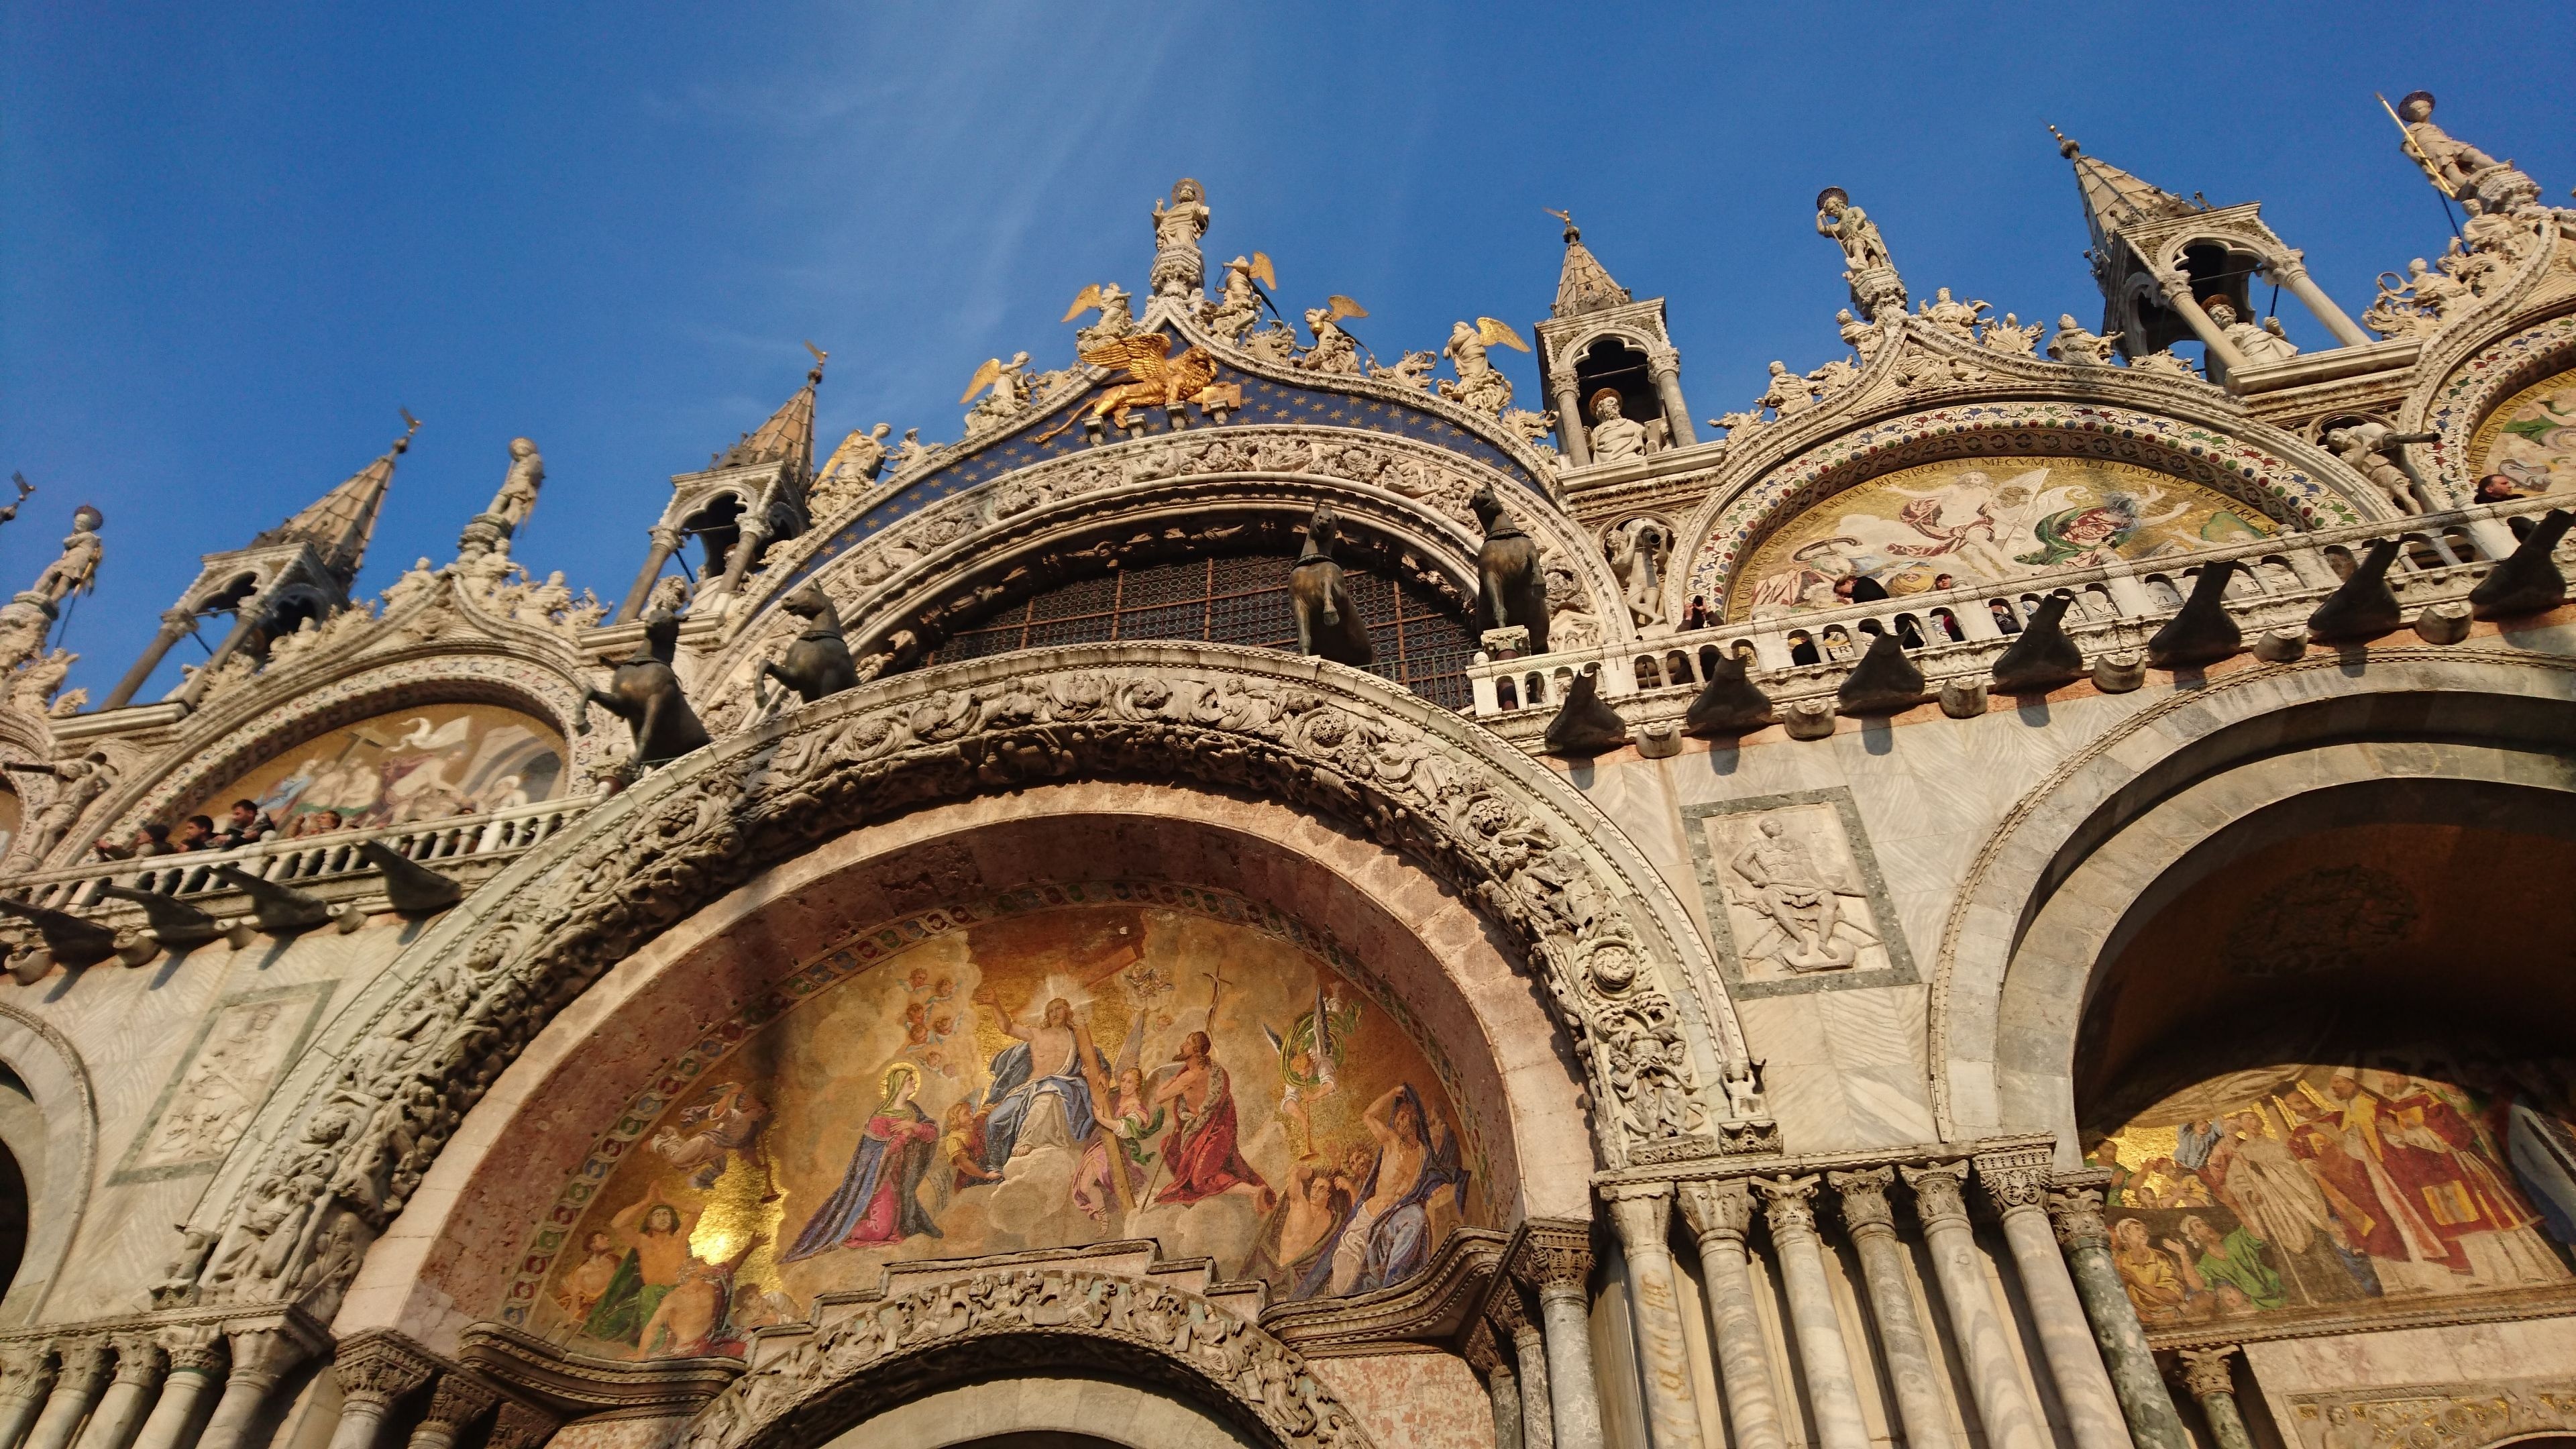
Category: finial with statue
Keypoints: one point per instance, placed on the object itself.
(2462, 171)
(1869, 269)
(1178, 225)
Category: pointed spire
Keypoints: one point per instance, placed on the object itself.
(2112, 197)
(1584, 285)
(789, 433)
(339, 523)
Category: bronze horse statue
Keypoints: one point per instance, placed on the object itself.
(645, 692)
(1328, 621)
(818, 663)
(1511, 589)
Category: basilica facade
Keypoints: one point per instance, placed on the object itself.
(2008, 890)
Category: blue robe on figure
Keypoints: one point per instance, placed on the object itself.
(1014, 1095)
(1399, 1242)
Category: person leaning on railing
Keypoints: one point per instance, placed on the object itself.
(245, 825)
(151, 840)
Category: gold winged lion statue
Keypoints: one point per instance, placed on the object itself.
(1155, 378)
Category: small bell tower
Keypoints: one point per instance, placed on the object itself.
(299, 570)
(1598, 339)
(2178, 271)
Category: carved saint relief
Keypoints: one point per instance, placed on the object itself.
(1796, 893)
(245, 1044)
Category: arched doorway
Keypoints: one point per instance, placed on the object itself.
(1046, 1411)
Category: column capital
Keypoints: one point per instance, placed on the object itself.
(2016, 1179)
(1864, 1192)
(1643, 1216)
(195, 1348)
(380, 1366)
(264, 1348)
(1721, 1210)
(2076, 1213)
(2206, 1371)
(1789, 1203)
(460, 1399)
(521, 1426)
(140, 1359)
(665, 534)
(85, 1362)
(1480, 1352)
(1504, 1308)
(1555, 1257)
(1940, 1191)
(1664, 360)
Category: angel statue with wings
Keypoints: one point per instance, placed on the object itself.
(1155, 378)
(1479, 385)
(1117, 314)
(1008, 394)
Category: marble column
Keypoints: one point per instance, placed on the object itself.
(1558, 1261)
(262, 1352)
(2293, 273)
(1569, 421)
(140, 1365)
(1644, 1218)
(1493, 1364)
(1872, 1225)
(2144, 1400)
(83, 1376)
(1511, 1321)
(26, 1377)
(1665, 364)
(2004, 1406)
(374, 1370)
(666, 542)
(2212, 1380)
(175, 626)
(249, 617)
(2017, 1181)
(748, 541)
(197, 1359)
(1718, 1214)
(2177, 290)
(1789, 1205)
(458, 1401)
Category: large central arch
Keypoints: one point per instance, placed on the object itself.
(1628, 976)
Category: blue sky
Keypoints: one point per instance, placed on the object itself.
(236, 238)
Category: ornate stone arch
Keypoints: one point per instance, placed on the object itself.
(2288, 481)
(1981, 1080)
(1627, 973)
(58, 1198)
(877, 1354)
(2455, 406)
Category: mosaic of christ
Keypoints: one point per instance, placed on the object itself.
(430, 763)
(2345, 1188)
(1982, 520)
(2531, 439)
(1042, 1079)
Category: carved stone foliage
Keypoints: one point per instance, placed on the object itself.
(894, 1348)
(2434, 1416)
(2279, 486)
(1626, 972)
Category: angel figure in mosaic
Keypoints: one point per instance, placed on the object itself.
(1310, 1056)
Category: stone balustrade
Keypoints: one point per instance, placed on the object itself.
(305, 862)
(1957, 634)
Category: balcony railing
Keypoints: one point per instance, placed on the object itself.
(306, 860)
(1958, 633)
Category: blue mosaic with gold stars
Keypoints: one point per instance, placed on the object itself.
(1264, 402)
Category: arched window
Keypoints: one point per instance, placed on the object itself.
(1420, 643)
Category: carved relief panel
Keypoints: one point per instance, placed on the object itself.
(223, 1076)
(1793, 892)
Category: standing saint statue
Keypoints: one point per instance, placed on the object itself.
(518, 495)
(1178, 267)
(76, 572)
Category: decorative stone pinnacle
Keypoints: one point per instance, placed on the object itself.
(1940, 1191)
(1864, 1192)
(1717, 1209)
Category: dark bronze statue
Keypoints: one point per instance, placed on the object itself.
(1511, 589)
(818, 663)
(1328, 621)
(645, 692)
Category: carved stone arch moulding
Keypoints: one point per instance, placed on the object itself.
(1620, 961)
(1999, 890)
(50, 1068)
(879, 1353)
(254, 725)
(2459, 405)
(1424, 486)
(2278, 487)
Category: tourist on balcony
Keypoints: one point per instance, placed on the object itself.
(245, 826)
(198, 833)
(151, 840)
